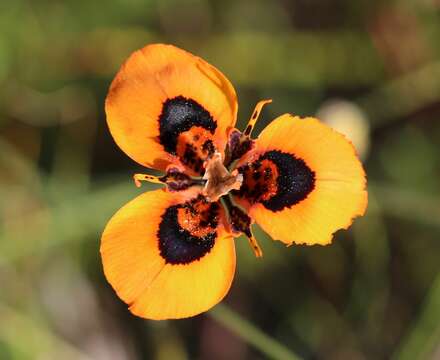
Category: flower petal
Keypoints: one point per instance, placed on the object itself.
(302, 181)
(167, 104)
(167, 255)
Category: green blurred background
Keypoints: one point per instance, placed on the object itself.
(370, 68)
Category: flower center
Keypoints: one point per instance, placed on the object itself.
(219, 181)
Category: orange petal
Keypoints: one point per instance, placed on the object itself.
(168, 255)
(165, 102)
(302, 181)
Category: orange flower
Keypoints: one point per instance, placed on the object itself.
(170, 253)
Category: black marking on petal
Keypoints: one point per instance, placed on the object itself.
(176, 244)
(178, 115)
(191, 159)
(256, 175)
(294, 181)
(267, 173)
(248, 130)
(208, 148)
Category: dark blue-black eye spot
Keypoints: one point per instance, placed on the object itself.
(178, 115)
(176, 244)
(294, 180)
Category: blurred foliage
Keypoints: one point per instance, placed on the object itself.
(369, 68)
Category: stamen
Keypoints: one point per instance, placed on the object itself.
(241, 224)
(254, 244)
(144, 177)
(255, 115)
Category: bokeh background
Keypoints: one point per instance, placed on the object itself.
(369, 68)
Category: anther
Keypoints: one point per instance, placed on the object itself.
(255, 114)
(144, 177)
